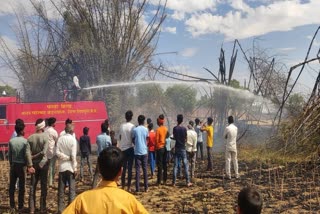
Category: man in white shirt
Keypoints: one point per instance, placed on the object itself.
(51, 152)
(191, 147)
(199, 139)
(66, 152)
(126, 146)
(230, 134)
(63, 132)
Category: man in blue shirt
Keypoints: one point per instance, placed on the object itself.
(140, 134)
(103, 141)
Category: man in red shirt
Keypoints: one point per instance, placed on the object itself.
(151, 146)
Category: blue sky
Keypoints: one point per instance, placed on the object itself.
(196, 29)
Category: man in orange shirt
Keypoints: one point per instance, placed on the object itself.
(161, 152)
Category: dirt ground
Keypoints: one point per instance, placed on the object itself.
(285, 189)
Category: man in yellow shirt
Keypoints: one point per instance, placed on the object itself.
(107, 197)
(210, 131)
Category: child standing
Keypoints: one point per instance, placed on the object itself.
(168, 148)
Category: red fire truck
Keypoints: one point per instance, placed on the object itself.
(83, 113)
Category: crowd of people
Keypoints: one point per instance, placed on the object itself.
(139, 145)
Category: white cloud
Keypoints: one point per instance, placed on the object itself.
(240, 5)
(288, 49)
(245, 21)
(180, 8)
(189, 52)
(178, 15)
(10, 7)
(7, 77)
(172, 30)
(189, 6)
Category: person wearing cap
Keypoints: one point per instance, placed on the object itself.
(37, 163)
(51, 152)
(67, 154)
(161, 152)
(191, 147)
(85, 151)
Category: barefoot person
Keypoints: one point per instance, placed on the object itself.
(230, 134)
(107, 197)
(16, 156)
(249, 201)
(180, 136)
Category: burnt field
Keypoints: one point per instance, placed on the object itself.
(289, 188)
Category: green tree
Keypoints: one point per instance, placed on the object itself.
(295, 105)
(235, 83)
(150, 94)
(8, 89)
(182, 97)
(99, 41)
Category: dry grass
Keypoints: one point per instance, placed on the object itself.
(287, 186)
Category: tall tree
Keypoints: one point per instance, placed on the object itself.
(100, 41)
(182, 97)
